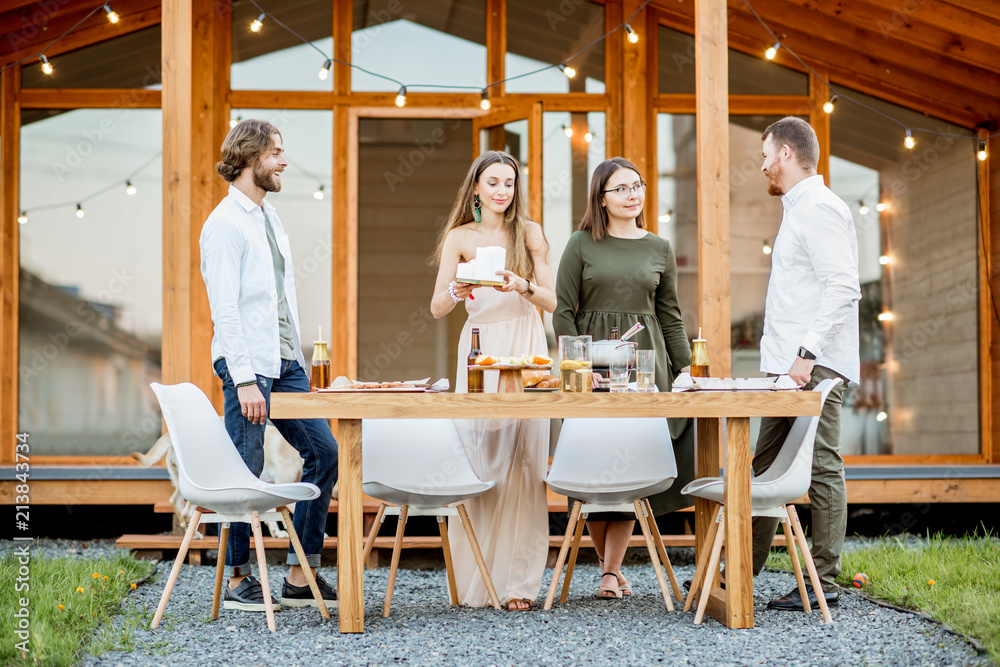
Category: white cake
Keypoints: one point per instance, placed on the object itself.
(484, 265)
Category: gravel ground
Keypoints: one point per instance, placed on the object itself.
(424, 630)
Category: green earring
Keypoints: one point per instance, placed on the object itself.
(477, 208)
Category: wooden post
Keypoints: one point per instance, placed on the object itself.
(350, 569)
(636, 110)
(10, 168)
(196, 58)
(739, 535)
(712, 96)
(988, 325)
(819, 93)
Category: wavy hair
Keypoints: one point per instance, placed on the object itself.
(595, 219)
(246, 142)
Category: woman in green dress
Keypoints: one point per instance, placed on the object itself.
(615, 273)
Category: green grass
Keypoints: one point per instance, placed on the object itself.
(70, 604)
(964, 595)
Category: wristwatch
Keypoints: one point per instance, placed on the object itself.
(806, 354)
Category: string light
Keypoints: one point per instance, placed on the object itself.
(567, 130)
(129, 188)
(570, 72)
(233, 122)
(258, 23)
(401, 97)
(881, 206)
(829, 104)
(23, 218)
(79, 210)
(324, 72)
(981, 154)
(46, 65)
(885, 317)
(862, 208)
(631, 34)
(772, 51)
(484, 100)
(767, 248)
(112, 15)
(881, 416)
(884, 259)
(319, 194)
(589, 137)
(666, 216)
(909, 141)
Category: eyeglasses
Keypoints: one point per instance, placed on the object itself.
(624, 191)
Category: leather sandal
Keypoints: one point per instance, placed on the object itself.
(625, 588)
(604, 593)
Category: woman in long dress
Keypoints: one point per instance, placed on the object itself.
(615, 273)
(511, 519)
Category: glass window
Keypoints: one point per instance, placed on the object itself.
(748, 74)
(306, 209)
(90, 281)
(451, 38)
(542, 33)
(919, 369)
(129, 61)
(272, 58)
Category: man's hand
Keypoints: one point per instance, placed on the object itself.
(252, 403)
(801, 370)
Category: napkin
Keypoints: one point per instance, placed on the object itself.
(785, 382)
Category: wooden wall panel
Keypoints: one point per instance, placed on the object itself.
(10, 146)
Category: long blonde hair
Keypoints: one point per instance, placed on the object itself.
(515, 218)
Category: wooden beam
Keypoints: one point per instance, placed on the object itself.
(712, 92)
(344, 337)
(536, 187)
(90, 98)
(636, 110)
(986, 9)
(650, 44)
(990, 289)
(613, 119)
(343, 27)
(496, 45)
(743, 105)
(10, 168)
(820, 121)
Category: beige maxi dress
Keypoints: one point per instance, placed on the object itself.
(511, 519)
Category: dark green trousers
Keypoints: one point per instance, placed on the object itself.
(827, 491)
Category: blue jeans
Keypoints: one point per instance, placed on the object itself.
(314, 442)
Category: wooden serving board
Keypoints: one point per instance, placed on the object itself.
(512, 367)
(484, 283)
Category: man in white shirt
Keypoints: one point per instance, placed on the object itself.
(246, 263)
(811, 334)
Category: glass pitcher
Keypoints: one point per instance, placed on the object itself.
(575, 366)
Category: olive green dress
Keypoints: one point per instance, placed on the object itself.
(617, 282)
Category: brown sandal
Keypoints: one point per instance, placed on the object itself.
(609, 593)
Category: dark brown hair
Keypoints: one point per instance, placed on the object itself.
(798, 135)
(595, 219)
(246, 142)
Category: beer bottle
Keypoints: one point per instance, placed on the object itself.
(614, 333)
(475, 371)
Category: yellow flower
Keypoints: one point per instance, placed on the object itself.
(121, 571)
(59, 606)
(96, 575)
(930, 582)
(104, 577)
(79, 589)
(133, 586)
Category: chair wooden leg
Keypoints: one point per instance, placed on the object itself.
(293, 537)
(643, 518)
(794, 555)
(397, 547)
(220, 568)
(810, 565)
(571, 563)
(487, 579)
(175, 570)
(448, 565)
(574, 517)
(662, 549)
(265, 584)
(373, 533)
(700, 570)
(710, 571)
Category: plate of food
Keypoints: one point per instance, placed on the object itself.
(538, 381)
(344, 385)
(524, 362)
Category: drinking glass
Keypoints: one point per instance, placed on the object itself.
(619, 368)
(575, 367)
(645, 374)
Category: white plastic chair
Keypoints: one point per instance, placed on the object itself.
(214, 479)
(771, 493)
(613, 465)
(420, 466)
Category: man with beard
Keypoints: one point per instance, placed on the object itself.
(247, 267)
(810, 334)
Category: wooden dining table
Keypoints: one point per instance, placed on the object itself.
(721, 416)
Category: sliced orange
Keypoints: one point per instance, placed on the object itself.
(542, 361)
(485, 360)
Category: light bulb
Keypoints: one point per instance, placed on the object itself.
(257, 23)
(112, 15)
(567, 130)
(981, 154)
(772, 51)
(630, 34)
(829, 104)
(319, 194)
(884, 259)
(666, 216)
(863, 209)
(885, 317)
(484, 101)
(79, 211)
(881, 416)
(570, 72)
(588, 137)
(324, 72)
(401, 97)
(23, 218)
(46, 65)
(881, 206)
(233, 122)
(129, 188)
(767, 248)
(908, 141)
